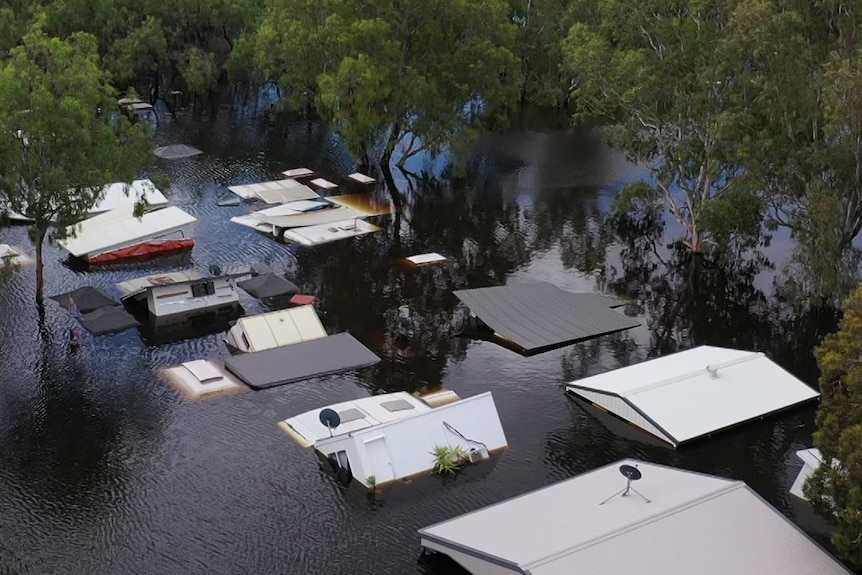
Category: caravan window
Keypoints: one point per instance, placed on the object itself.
(203, 289)
(339, 460)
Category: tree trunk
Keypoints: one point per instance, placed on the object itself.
(40, 269)
(386, 170)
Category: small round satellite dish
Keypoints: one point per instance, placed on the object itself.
(631, 472)
(330, 418)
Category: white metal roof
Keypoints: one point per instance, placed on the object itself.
(693, 393)
(137, 285)
(811, 460)
(325, 233)
(283, 327)
(298, 173)
(202, 377)
(693, 523)
(275, 191)
(120, 228)
(121, 194)
(356, 414)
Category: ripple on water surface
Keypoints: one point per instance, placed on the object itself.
(106, 469)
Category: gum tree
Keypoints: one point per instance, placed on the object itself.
(409, 75)
(61, 140)
(835, 490)
(657, 73)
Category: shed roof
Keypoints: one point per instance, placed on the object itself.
(686, 395)
(693, 523)
(289, 363)
(538, 317)
(357, 414)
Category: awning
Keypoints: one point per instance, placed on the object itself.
(107, 320)
(538, 317)
(286, 364)
(86, 299)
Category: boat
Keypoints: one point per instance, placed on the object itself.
(383, 438)
(119, 235)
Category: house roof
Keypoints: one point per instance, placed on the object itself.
(811, 460)
(538, 317)
(686, 395)
(357, 414)
(688, 523)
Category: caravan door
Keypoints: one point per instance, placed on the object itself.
(380, 463)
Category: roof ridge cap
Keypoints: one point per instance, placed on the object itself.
(732, 486)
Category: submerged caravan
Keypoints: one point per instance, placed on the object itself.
(383, 438)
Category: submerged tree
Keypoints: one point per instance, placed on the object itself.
(61, 140)
(656, 70)
(412, 75)
(836, 490)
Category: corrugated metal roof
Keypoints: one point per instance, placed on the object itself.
(696, 392)
(275, 191)
(693, 523)
(289, 363)
(541, 316)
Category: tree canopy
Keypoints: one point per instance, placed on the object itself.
(834, 490)
(417, 74)
(61, 136)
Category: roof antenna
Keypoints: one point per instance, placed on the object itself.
(631, 473)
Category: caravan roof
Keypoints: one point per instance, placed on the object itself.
(693, 393)
(684, 522)
(275, 191)
(283, 327)
(120, 194)
(357, 414)
(120, 228)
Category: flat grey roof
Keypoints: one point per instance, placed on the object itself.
(538, 317)
(289, 363)
(685, 522)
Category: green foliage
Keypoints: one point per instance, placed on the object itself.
(371, 481)
(836, 490)
(61, 138)
(656, 71)
(420, 75)
(198, 69)
(448, 459)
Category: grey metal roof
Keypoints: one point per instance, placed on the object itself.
(176, 151)
(269, 285)
(86, 299)
(289, 363)
(540, 316)
(691, 523)
(107, 320)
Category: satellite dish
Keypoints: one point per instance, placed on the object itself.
(215, 270)
(330, 419)
(630, 472)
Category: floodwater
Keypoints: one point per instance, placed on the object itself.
(104, 468)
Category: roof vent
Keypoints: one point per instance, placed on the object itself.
(713, 370)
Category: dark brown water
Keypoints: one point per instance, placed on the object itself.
(105, 469)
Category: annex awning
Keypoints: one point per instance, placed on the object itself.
(107, 320)
(86, 299)
(290, 363)
(538, 317)
(690, 394)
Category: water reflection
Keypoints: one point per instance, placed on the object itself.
(107, 466)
